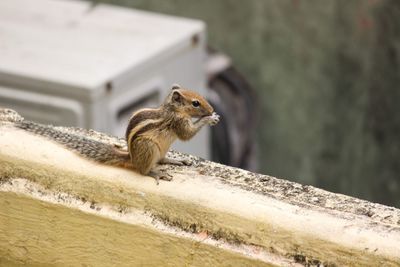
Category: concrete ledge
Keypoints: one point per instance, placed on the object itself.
(57, 208)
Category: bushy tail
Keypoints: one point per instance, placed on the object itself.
(86, 147)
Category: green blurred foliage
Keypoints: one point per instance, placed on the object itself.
(326, 73)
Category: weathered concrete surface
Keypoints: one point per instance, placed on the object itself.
(58, 208)
(40, 233)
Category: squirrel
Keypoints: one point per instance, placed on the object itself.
(149, 134)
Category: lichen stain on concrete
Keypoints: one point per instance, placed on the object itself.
(56, 235)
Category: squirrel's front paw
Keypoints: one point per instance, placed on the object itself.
(213, 119)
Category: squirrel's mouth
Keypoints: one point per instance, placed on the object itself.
(199, 117)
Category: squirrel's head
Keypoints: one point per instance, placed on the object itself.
(188, 102)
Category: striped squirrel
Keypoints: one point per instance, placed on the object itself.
(149, 134)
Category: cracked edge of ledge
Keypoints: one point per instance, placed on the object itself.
(293, 193)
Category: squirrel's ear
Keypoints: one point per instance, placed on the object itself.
(176, 96)
(175, 86)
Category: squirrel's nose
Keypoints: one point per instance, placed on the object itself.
(208, 112)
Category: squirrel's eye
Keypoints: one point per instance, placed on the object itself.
(195, 103)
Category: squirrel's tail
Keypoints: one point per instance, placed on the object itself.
(86, 147)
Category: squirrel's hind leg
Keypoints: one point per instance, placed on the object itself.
(144, 156)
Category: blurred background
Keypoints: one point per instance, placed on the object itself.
(308, 89)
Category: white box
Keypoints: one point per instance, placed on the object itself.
(77, 64)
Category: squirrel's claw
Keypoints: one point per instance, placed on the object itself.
(160, 176)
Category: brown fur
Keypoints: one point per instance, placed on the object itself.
(140, 116)
(151, 132)
(144, 154)
(184, 105)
